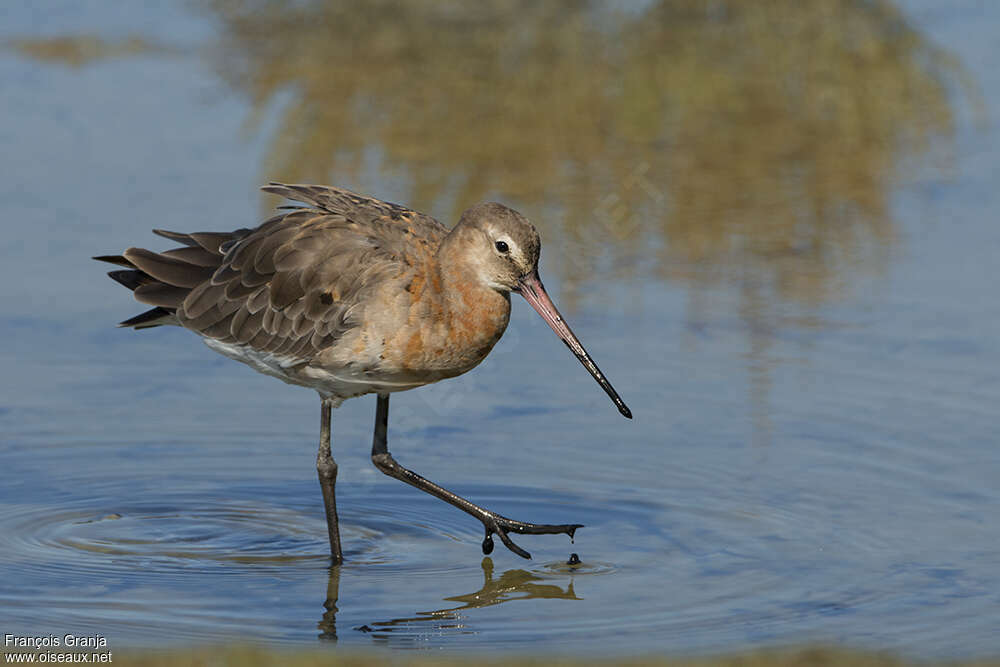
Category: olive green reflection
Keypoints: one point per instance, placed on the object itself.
(80, 50)
(750, 143)
(511, 585)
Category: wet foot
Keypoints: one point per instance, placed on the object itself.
(501, 526)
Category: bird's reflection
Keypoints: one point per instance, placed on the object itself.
(511, 585)
(328, 624)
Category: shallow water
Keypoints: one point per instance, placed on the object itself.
(813, 455)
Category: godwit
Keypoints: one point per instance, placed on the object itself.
(351, 295)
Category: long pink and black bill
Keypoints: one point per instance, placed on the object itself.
(534, 293)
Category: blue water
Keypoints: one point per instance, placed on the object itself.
(787, 478)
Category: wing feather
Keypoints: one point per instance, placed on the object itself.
(292, 286)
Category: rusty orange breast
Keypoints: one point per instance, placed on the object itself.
(450, 326)
(475, 321)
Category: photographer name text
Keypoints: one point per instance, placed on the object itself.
(54, 641)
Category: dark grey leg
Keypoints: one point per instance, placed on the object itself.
(492, 522)
(326, 467)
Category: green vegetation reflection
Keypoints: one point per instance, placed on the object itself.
(754, 144)
(81, 50)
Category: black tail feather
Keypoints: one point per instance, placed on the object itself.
(115, 259)
(130, 279)
(151, 318)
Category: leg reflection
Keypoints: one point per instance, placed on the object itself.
(511, 585)
(328, 625)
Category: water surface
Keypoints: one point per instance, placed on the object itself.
(773, 229)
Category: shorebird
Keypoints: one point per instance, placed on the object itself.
(351, 295)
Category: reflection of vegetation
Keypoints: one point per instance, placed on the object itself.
(79, 50)
(753, 143)
(747, 142)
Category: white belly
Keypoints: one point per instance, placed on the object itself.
(337, 385)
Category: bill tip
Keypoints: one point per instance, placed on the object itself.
(625, 411)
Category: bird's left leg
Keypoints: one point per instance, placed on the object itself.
(492, 522)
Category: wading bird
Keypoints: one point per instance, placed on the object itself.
(350, 295)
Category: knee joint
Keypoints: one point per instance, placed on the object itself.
(384, 462)
(326, 467)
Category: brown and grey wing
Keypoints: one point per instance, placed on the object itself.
(289, 287)
(393, 224)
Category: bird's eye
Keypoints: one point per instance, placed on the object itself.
(502, 246)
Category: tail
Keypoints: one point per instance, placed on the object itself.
(163, 280)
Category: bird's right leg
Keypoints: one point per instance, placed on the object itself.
(492, 522)
(326, 467)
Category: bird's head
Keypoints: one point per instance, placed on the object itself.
(501, 248)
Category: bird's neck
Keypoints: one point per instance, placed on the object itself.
(453, 257)
(477, 314)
